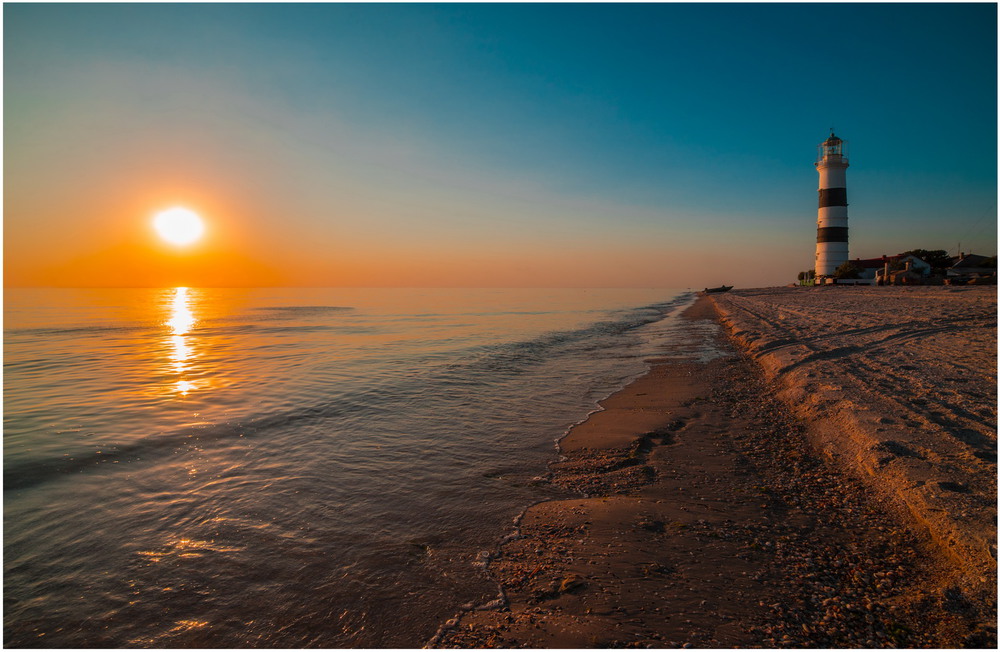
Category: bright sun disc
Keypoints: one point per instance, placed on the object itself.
(178, 225)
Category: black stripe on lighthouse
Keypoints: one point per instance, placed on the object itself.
(832, 197)
(831, 234)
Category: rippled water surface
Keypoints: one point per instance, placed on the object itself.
(287, 467)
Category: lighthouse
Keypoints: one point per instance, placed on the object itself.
(831, 224)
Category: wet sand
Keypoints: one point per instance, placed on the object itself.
(711, 515)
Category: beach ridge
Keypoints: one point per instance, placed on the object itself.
(896, 386)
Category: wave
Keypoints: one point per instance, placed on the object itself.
(515, 356)
(304, 310)
(28, 473)
(75, 330)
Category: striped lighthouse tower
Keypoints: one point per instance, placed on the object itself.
(831, 232)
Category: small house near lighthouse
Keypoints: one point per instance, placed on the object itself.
(831, 224)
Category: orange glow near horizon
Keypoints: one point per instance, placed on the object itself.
(122, 248)
(244, 245)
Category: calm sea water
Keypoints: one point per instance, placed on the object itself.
(288, 467)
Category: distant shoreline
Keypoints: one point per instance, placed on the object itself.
(714, 515)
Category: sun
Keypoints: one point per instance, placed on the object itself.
(178, 226)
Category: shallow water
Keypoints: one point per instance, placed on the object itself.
(288, 467)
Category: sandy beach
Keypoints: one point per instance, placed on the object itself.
(829, 483)
(899, 386)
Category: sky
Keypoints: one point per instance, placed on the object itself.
(514, 145)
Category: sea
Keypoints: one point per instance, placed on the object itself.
(291, 467)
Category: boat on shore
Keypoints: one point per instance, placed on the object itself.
(721, 288)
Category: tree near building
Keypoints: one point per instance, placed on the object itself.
(938, 259)
(847, 270)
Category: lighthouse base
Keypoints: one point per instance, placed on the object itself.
(830, 256)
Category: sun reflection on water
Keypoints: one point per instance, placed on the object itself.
(180, 322)
(181, 317)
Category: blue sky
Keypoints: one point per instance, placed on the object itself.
(575, 143)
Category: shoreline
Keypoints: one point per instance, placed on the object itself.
(486, 557)
(705, 519)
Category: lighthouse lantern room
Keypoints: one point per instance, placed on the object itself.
(831, 224)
